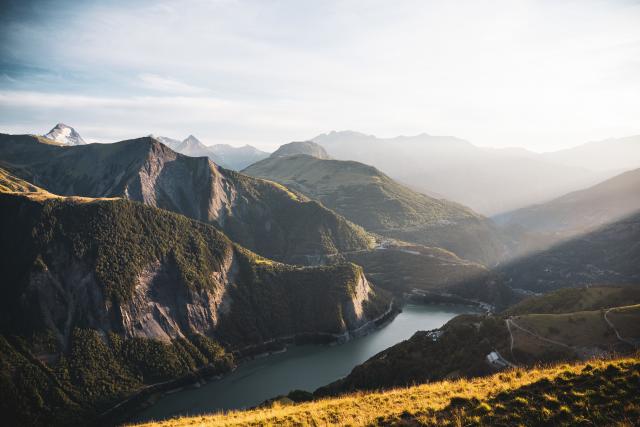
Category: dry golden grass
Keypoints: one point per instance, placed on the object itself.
(420, 401)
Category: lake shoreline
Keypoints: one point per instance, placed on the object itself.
(136, 405)
(127, 409)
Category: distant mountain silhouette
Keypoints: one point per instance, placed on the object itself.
(490, 181)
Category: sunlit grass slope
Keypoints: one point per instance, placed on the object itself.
(601, 392)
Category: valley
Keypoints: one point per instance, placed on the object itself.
(153, 284)
(302, 367)
(319, 213)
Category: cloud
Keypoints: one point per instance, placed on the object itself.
(538, 74)
(166, 84)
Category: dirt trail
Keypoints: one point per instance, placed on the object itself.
(510, 322)
(612, 326)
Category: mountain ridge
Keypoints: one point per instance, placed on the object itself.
(488, 181)
(581, 210)
(260, 215)
(371, 199)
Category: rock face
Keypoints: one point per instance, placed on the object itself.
(65, 135)
(381, 205)
(262, 216)
(309, 148)
(85, 265)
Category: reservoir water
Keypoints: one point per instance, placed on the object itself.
(305, 367)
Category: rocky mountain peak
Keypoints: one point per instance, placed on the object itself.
(65, 135)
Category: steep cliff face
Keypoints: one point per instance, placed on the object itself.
(118, 266)
(260, 215)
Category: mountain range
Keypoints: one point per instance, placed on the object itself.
(129, 267)
(230, 157)
(261, 215)
(490, 181)
(369, 198)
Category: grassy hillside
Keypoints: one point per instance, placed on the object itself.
(101, 299)
(599, 392)
(569, 300)
(371, 199)
(260, 215)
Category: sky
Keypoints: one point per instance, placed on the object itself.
(543, 75)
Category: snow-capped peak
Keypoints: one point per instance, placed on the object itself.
(65, 135)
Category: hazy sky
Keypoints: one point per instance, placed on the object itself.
(539, 74)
